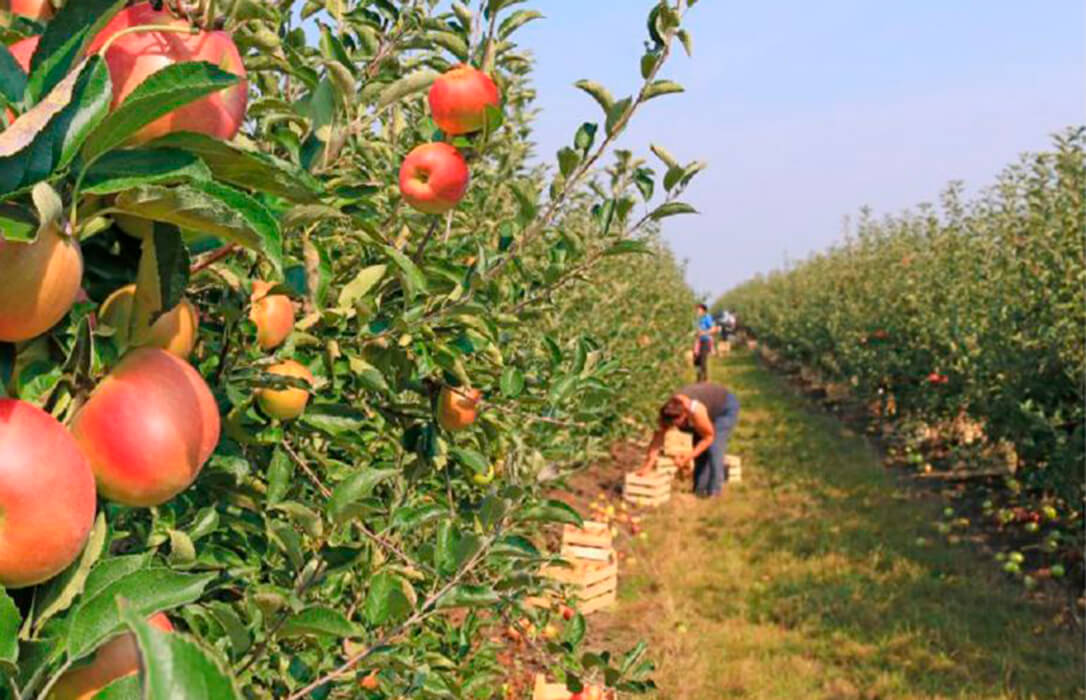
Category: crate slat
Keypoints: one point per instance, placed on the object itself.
(593, 534)
(646, 501)
(634, 492)
(677, 442)
(571, 551)
(650, 479)
(651, 489)
(735, 468)
(598, 603)
(607, 585)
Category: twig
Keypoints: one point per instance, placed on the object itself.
(366, 532)
(426, 240)
(539, 419)
(585, 166)
(423, 613)
(213, 257)
(325, 491)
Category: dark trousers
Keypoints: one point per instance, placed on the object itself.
(701, 359)
(709, 473)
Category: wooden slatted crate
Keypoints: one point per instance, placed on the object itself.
(735, 468)
(666, 465)
(594, 583)
(652, 489)
(558, 691)
(592, 542)
(593, 566)
(677, 442)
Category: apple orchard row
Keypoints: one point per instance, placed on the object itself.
(148, 428)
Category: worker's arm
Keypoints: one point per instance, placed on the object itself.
(653, 451)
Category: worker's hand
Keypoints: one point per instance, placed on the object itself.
(645, 468)
(683, 459)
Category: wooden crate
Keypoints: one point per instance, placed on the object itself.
(592, 542)
(723, 348)
(734, 466)
(666, 465)
(594, 583)
(651, 489)
(558, 691)
(677, 442)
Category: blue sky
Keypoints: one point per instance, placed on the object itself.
(807, 111)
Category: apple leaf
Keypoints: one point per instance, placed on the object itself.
(62, 43)
(407, 85)
(12, 77)
(10, 619)
(662, 87)
(164, 91)
(149, 590)
(317, 620)
(117, 171)
(242, 167)
(48, 136)
(211, 208)
(173, 665)
(599, 93)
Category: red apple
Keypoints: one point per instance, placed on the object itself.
(273, 315)
(457, 408)
(148, 428)
(434, 178)
(22, 50)
(285, 404)
(134, 57)
(117, 658)
(173, 331)
(39, 10)
(46, 495)
(459, 98)
(370, 681)
(38, 283)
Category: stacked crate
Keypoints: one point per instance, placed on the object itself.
(734, 466)
(652, 489)
(594, 567)
(666, 465)
(677, 442)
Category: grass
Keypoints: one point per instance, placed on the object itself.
(810, 580)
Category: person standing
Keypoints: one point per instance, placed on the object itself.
(709, 412)
(727, 325)
(703, 342)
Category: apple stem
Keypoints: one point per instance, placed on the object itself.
(143, 28)
(213, 257)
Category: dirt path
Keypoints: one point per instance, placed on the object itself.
(821, 576)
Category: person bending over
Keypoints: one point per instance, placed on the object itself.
(709, 412)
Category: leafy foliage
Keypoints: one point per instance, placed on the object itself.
(361, 537)
(975, 311)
